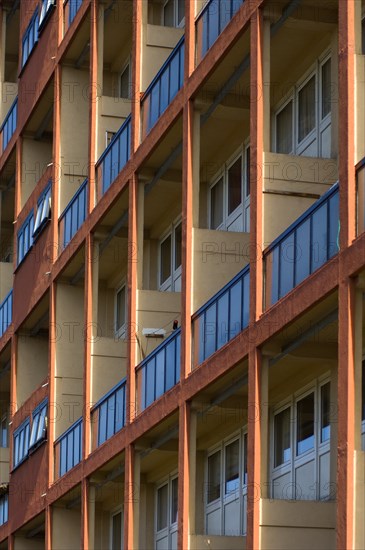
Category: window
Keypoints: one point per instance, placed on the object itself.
(170, 259)
(109, 137)
(303, 121)
(30, 38)
(174, 13)
(166, 514)
(25, 237)
(226, 494)
(301, 446)
(229, 196)
(4, 509)
(125, 82)
(39, 424)
(116, 536)
(4, 441)
(21, 443)
(120, 310)
(43, 210)
(46, 9)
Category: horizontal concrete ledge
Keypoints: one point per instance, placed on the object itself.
(298, 513)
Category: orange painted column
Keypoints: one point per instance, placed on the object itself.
(346, 293)
(93, 99)
(129, 484)
(136, 73)
(184, 476)
(256, 281)
(52, 405)
(48, 528)
(56, 172)
(13, 392)
(84, 515)
(88, 335)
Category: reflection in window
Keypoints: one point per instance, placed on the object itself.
(232, 467)
(307, 109)
(305, 424)
(214, 476)
(282, 437)
(162, 503)
(284, 129)
(325, 412)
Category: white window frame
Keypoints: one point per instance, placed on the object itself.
(219, 505)
(127, 65)
(171, 283)
(120, 332)
(321, 124)
(314, 454)
(4, 428)
(114, 513)
(176, 24)
(170, 531)
(243, 209)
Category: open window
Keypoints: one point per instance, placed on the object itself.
(39, 425)
(43, 211)
(120, 310)
(170, 259)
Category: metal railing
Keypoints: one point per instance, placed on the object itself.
(163, 88)
(73, 215)
(304, 247)
(160, 371)
(9, 125)
(114, 158)
(70, 9)
(68, 448)
(211, 21)
(109, 413)
(224, 316)
(6, 313)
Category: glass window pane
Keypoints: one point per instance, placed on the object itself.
(121, 307)
(162, 495)
(168, 14)
(216, 205)
(214, 476)
(307, 109)
(174, 500)
(234, 185)
(305, 424)
(319, 235)
(245, 440)
(165, 260)
(287, 255)
(170, 365)
(160, 373)
(178, 239)
(117, 531)
(302, 261)
(210, 330)
(326, 88)
(180, 11)
(164, 85)
(223, 333)
(248, 187)
(235, 313)
(325, 412)
(284, 129)
(150, 382)
(111, 412)
(232, 467)
(124, 83)
(174, 76)
(282, 437)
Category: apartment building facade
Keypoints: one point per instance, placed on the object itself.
(182, 259)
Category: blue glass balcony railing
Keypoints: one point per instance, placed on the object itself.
(163, 88)
(304, 247)
(160, 371)
(71, 7)
(73, 215)
(114, 158)
(6, 313)
(68, 448)
(224, 316)
(4, 509)
(211, 21)
(9, 125)
(109, 414)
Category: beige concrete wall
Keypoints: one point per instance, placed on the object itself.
(32, 365)
(359, 500)
(69, 355)
(311, 523)
(9, 91)
(286, 176)
(359, 107)
(66, 529)
(24, 543)
(202, 542)
(155, 310)
(36, 155)
(113, 112)
(218, 257)
(158, 42)
(101, 528)
(108, 365)
(74, 132)
(6, 279)
(4, 465)
(147, 515)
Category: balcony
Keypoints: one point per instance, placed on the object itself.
(163, 88)
(68, 449)
(304, 247)
(9, 125)
(211, 21)
(114, 158)
(6, 313)
(160, 371)
(70, 9)
(109, 414)
(224, 316)
(73, 216)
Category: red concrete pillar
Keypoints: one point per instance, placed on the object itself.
(88, 335)
(93, 99)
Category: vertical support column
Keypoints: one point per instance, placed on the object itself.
(48, 529)
(93, 100)
(346, 416)
(88, 332)
(184, 482)
(256, 280)
(52, 407)
(189, 38)
(187, 238)
(85, 527)
(132, 298)
(13, 391)
(56, 172)
(18, 177)
(129, 522)
(59, 22)
(136, 73)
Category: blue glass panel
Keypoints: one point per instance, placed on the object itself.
(210, 330)
(70, 451)
(182, 57)
(154, 104)
(222, 328)
(115, 160)
(303, 248)
(213, 28)
(177, 358)
(119, 403)
(106, 172)
(235, 313)
(287, 258)
(319, 237)
(102, 423)
(334, 226)
(274, 258)
(160, 373)
(74, 218)
(150, 382)
(164, 84)
(111, 412)
(170, 365)
(77, 445)
(174, 76)
(123, 149)
(225, 7)
(246, 301)
(205, 22)
(63, 457)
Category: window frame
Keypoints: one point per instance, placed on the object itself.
(176, 23)
(44, 203)
(120, 332)
(41, 414)
(127, 65)
(113, 513)
(28, 224)
(171, 527)
(169, 284)
(32, 27)
(22, 429)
